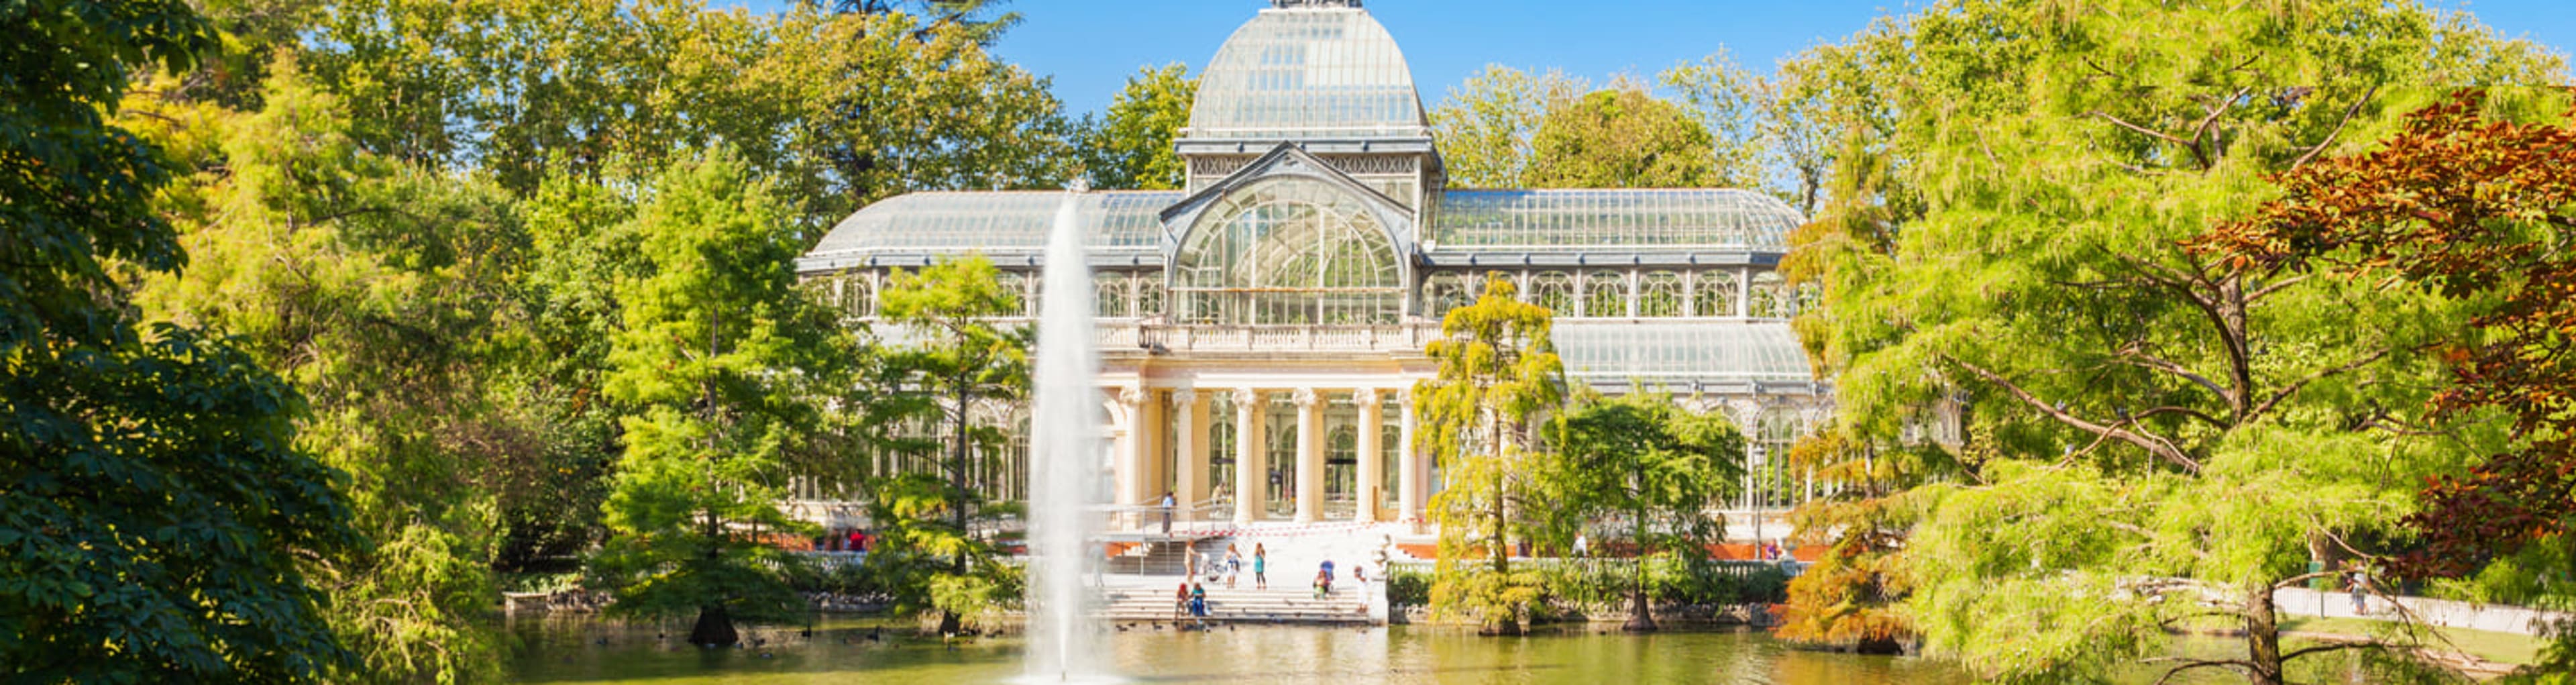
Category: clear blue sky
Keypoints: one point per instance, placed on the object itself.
(1090, 47)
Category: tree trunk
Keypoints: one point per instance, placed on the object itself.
(1640, 613)
(2262, 638)
(714, 628)
(949, 622)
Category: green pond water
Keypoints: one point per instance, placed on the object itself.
(568, 650)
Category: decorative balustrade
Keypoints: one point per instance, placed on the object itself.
(1160, 338)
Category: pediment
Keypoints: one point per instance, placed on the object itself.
(1284, 160)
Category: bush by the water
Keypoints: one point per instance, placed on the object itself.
(1580, 584)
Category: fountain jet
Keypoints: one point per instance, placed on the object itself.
(1065, 454)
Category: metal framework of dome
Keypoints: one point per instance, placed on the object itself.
(1621, 219)
(1308, 69)
(1680, 353)
(1003, 221)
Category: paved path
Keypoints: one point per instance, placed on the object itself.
(2440, 612)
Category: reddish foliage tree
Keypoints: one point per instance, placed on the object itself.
(2473, 207)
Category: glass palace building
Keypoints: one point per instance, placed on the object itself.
(1262, 329)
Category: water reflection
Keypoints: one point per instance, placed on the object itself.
(560, 650)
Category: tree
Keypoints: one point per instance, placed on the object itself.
(1734, 105)
(960, 362)
(1131, 148)
(372, 289)
(1486, 124)
(154, 512)
(2471, 205)
(719, 356)
(1767, 126)
(1497, 374)
(1642, 458)
(1621, 137)
(982, 20)
(837, 109)
(2163, 403)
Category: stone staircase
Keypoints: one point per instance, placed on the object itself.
(1152, 558)
(1348, 603)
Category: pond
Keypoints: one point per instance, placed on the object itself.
(571, 650)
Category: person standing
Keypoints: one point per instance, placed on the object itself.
(1168, 503)
(1260, 566)
(1233, 565)
(1581, 548)
(2360, 586)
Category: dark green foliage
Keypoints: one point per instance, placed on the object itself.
(718, 358)
(153, 512)
(1130, 148)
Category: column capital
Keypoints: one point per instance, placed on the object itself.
(1244, 397)
(1307, 397)
(1184, 397)
(1368, 397)
(1404, 396)
(1131, 396)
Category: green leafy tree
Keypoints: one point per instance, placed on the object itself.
(155, 512)
(982, 20)
(370, 288)
(959, 363)
(1497, 376)
(2148, 423)
(1734, 105)
(1775, 130)
(1131, 147)
(2471, 205)
(1655, 465)
(836, 109)
(719, 356)
(1621, 137)
(1485, 126)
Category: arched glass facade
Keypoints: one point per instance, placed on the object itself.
(1289, 251)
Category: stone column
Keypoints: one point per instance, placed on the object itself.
(1134, 470)
(1189, 451)
(1409, 482)
(1372, 460)
(1310, 456)
(1248, 480)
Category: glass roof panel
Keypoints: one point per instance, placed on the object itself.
(1308, 72)
(1002, 221)
(1681, 352)
(1563, 220)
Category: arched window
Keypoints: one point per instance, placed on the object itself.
(1289, 251)
(1659, 293)
(1446, 291)
(1149, 296)
(1221, 450)
(1605, 294)
(1714, 295)
(859, 295)
(1771, 300)
(1016, 283)
(1110, 295)
(1553, 290)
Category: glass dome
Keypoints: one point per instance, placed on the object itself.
(1316, 70)
(1288, 251)
(1002, 221)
